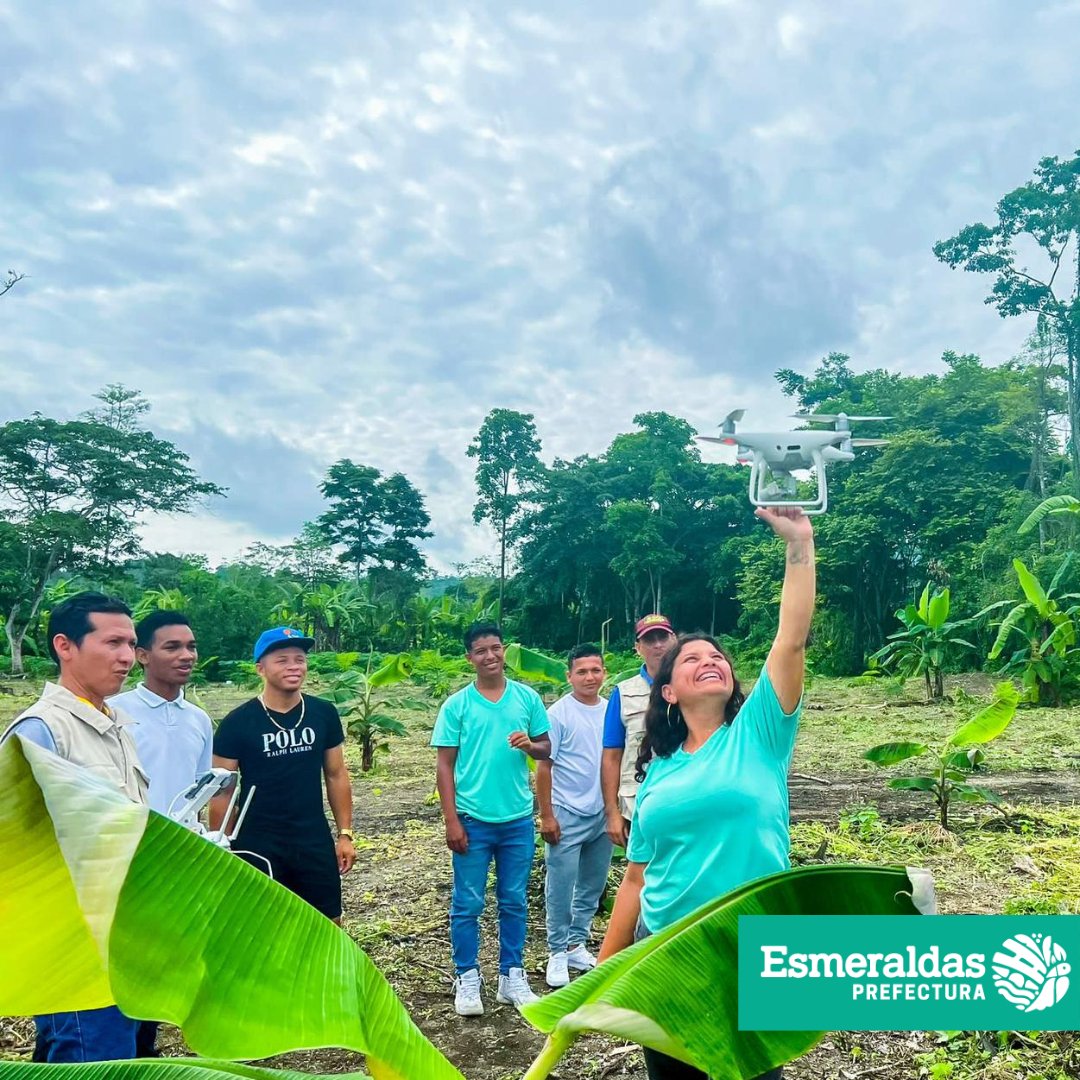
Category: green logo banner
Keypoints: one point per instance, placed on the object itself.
(898, 973)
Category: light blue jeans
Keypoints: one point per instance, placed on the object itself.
(511, 844)
(577, 871)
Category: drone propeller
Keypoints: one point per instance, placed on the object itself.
(832, 418)
(870, 442)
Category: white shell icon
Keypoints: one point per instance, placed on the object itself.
(1032, 972)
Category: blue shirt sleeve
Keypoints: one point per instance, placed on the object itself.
(447, 724)
(614, 728)
(36, 731)
(638, 848)
(538, 717)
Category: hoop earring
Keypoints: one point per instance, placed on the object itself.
(669, 719)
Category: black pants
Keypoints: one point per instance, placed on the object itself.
(146, 1039)
(662, 1067)
(307, 867)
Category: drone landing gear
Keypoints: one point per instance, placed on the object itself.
(777, 488)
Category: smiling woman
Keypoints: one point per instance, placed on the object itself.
(712, 810)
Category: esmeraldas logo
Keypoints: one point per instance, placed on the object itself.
(1032, 971)
(898, 972)
(912, 975)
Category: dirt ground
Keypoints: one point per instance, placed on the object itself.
(397, 898)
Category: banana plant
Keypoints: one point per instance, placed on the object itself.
(367, 716)
(957, 759)
(99, 897)
(535, 666)
(925, 644)
(160, 599)
(676, 991)
(1056, 504)
(1048, 660)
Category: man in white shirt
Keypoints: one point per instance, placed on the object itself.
(572, 819)
(173, 736)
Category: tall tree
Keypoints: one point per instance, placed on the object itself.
(355, 508)
(507, 452)
(376, 520)
(1045, 212)
(72, 490)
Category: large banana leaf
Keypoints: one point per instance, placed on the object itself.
(990, 722)
(535, 665)
(677, 990)
(1056, 504)
(1035, 593)
(155, 1069)
(892, 753)
(1008, 624)
(394, 669)
(101, 900)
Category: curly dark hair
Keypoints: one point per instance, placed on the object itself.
(665, 728)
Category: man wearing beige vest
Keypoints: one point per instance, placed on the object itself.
(92, 639)
(624, 726)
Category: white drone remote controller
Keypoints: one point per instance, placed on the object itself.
(192, 800)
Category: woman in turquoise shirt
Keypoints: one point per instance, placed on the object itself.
(712, 809)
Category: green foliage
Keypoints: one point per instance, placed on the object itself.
(1056, 504)
(533, 666)
(507, 452)
(957, 759)
(368, 715)
(440, 675)
(1042, 215)
(924, 645)
(71, 493)
(1048, 662)
(375, 520)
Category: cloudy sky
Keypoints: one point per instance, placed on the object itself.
(311, 231)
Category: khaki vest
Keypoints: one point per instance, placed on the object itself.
(89, 738)
(633, 701)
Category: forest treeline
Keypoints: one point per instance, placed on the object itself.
(585, 546)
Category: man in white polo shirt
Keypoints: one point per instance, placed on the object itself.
(173, 736)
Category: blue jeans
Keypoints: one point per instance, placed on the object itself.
(577, 871)
(511, 844)
(90, 1035)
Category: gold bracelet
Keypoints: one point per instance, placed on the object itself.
(345, 832)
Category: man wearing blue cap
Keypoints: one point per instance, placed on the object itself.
(284, 744)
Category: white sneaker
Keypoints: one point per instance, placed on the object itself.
(467, 1000)
(514, 989)
(580, 959)
(557, 974)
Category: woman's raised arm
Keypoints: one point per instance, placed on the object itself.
(786, 663)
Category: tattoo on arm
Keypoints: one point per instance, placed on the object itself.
(798, 555)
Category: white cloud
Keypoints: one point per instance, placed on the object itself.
(358, 229)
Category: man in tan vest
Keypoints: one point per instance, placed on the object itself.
(92, 639)
(624, 726)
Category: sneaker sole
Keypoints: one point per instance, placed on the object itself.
(557, 985)
(506, 1001)
(478, 1011)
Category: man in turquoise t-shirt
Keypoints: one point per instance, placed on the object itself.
(482, 735)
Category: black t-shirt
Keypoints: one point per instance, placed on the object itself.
(282, 757)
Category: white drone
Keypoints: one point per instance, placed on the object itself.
(774, 455)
